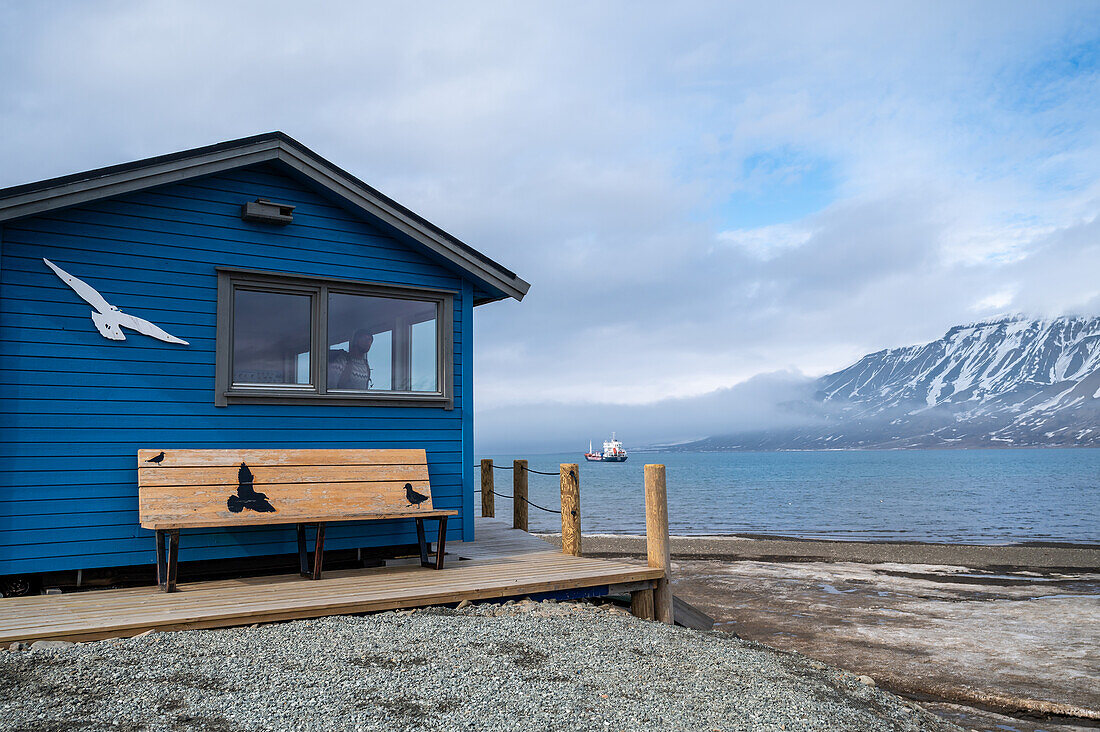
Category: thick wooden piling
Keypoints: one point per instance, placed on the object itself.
(519, 494)
(488, 505)
(570, 509)
(656, 532)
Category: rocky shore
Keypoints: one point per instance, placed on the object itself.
(520, 666)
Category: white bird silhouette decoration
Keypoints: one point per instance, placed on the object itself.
(107, 318)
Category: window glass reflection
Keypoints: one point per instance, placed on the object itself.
(381, 344)
(271, 338)
(425, 375)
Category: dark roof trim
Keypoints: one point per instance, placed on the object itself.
(71, 190)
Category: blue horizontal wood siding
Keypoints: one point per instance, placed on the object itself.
(75, 407)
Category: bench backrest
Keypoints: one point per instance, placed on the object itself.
(198, 488)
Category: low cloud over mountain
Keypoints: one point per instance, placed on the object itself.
(997, 383)
(1004, 382)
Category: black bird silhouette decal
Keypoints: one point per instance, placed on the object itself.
(247, 497)
(415, 499)
(158, 459)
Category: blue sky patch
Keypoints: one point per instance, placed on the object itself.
(778, 186)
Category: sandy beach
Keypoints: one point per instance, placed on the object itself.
(991, 637)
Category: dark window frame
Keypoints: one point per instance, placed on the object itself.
(231, 279)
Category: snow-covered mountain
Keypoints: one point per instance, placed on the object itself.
(1009, 381)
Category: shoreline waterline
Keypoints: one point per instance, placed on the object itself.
(1017, 557)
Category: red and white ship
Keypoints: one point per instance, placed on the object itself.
(613, 452)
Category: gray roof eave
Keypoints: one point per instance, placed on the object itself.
(37, 198)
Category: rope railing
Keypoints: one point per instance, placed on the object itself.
(519, 498)
(652, 602)
(529, 470)
(528, 502)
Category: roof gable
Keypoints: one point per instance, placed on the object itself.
(70, 190)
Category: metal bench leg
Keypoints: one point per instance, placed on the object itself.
(168, 549)
(318, 551)
(303, 556)
(162, 568)
(173, 558)
(422, 542)
(439, 546)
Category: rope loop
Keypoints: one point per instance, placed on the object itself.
(512, 498)
(572, 474)
(529, 470)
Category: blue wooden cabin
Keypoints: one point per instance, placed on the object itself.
(274, 266)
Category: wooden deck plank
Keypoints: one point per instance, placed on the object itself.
(235, 602)
(405, 580)
(496, 538)
(365, 586)
(291, 586)
(106, 613)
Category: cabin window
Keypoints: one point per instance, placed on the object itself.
(284, 340)
(382, 344)
(271, 338)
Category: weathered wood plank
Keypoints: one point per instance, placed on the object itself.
(267, 474)
(275, 520)
(207, 488)
(288, 502)
(106, 613)
(690, 616)
(232, 458)
(495, 538)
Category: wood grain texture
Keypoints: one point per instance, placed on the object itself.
(570, 508)
(488, 502)
(197, 488)
(519, 494)
(268, 474)
(497, 538)
(83, 616)
(233, 458)
(657, 545)
(641, 604)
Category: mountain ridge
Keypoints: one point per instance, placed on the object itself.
(1005, 381)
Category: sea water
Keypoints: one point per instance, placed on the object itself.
(958, 496)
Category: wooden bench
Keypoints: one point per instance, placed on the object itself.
(191, 489)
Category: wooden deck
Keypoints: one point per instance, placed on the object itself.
(506, 563)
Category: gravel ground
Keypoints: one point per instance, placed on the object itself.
(525, 666)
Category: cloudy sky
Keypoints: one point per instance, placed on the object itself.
(704, 196)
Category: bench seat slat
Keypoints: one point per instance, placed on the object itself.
(294, 499)
(227, 475)
(228, 458)
(275, 519)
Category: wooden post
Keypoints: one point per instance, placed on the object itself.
(488, 506)
(656, 533)
(641, 604)
(570, 509)
(519, 494)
